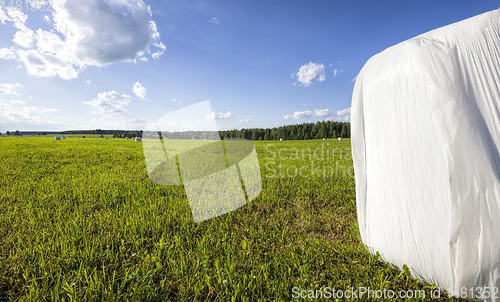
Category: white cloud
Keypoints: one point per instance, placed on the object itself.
(157, 54)
(341, 116)
(122, 30)
(139, 90)
(89, 82)
(299, 114)
(110, 104)
(3, 15)
(134, 121)
(305, 105)
(6, 53)
(16, 102)
(24, 38)
(353, 80)
(323, 112)
(246, 120)
(26, 115)
(346, 111)
(46, 64)
(215, 21)
(46, 19)
(174, 100)
(309, 72)
(334, 72)
(9, 89)
(219, 115)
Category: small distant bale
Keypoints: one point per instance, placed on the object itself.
(137, 139)
(63, 137)
(281, 139)
(323, 138)
(105, 137)
(126, 138)
(58, 138)
(340, 138)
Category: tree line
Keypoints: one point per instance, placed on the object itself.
(318, 130)
(124, 134)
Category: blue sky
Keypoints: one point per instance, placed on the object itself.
(122, 64)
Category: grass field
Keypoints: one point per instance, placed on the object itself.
(81, 221)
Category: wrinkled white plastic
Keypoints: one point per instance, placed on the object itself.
(425, 128)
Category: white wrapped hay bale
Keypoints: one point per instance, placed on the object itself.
(63, 137)
(58, 138)
(281, 139)
(137, 139)
(126, 138)
(340, 138)
(428, 193)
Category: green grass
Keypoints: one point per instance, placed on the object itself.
(81, 221)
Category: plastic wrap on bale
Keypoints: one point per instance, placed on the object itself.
(425, 131)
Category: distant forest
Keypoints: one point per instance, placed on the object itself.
(324, 129)
(318, 130)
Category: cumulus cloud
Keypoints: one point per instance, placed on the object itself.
(6, 53)
(110, 104)
(246, 120)
(139, 90)
(309, 72)
(9, 89)
(346, 111)
(341, 116)
(219, 115)
(334, 72)
(84, 33)
(299, 114)
(323, 112)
